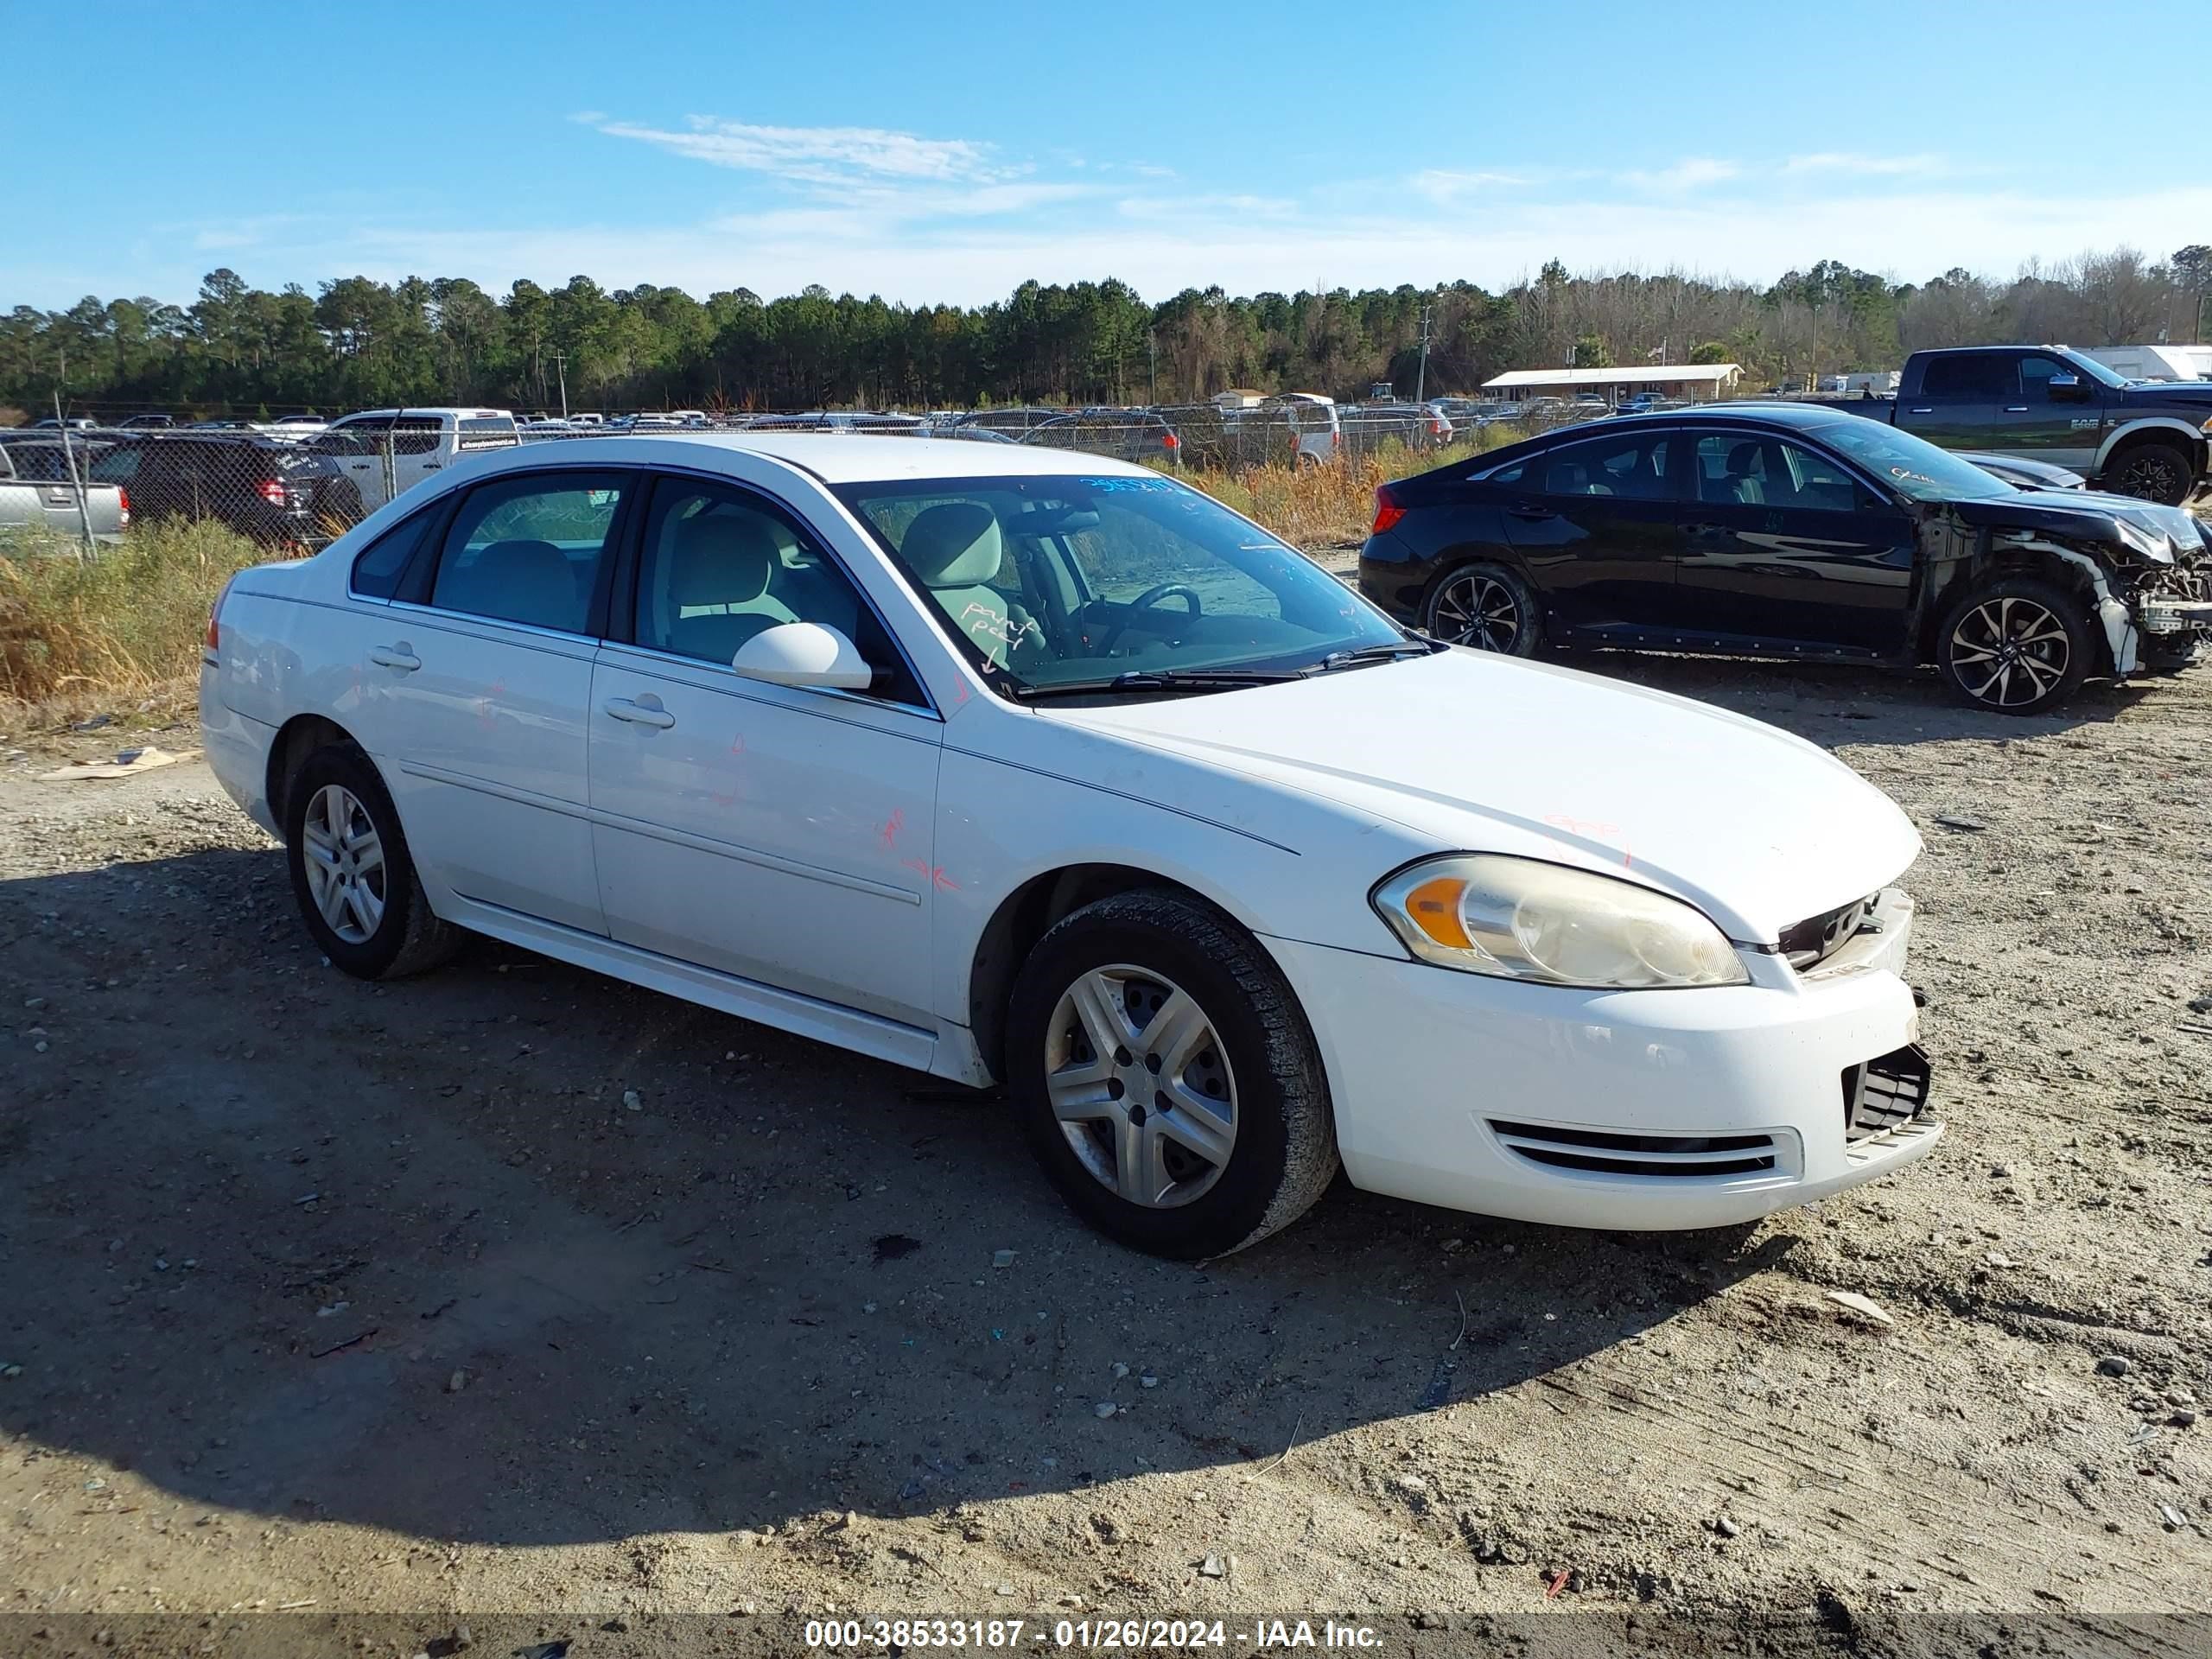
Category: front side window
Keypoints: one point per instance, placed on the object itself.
(721, 565)
(529, 550)
(2034, 378)
(1052, 580)
(1734, 469)
(416, 435)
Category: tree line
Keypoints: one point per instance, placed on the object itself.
(357, 343)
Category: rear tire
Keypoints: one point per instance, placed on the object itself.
(2016, 647)
(2151, 469)
(1210, 1126)
(353, 875)
(1485, 605)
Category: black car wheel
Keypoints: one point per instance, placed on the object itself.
(2153, 471)
(1485, 605)
(2016, 647)
(353, 875)
(1167, 1079)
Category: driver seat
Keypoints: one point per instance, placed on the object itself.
(955, 548)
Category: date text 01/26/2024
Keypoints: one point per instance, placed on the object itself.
(1099, 1635)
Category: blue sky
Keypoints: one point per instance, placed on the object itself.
(945, 152)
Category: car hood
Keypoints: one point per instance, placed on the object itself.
(2083, 515)
(1474, 752)
(2190, 394)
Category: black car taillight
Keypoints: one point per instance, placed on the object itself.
(1386, 511)
(272, 490)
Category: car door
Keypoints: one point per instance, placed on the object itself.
(1789, 549)
(780, 833)
(1961, 397)
(1598, 524)
(2053, 416)
(359, 448)
(480, 675)
(420, 449)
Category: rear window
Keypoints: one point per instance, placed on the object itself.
(487, 432)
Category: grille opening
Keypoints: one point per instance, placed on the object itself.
(1614, 1152)
(1880, 1094)
(1812, 941)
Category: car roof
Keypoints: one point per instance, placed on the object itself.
(835, 458)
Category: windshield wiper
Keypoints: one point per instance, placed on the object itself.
(1389, 653)
(1162, 679)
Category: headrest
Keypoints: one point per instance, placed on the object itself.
(721, 558)
(954, 545)
(1742, 458)
(534, 580)
(1567, 478)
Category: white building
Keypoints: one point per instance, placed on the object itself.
(1698, 380)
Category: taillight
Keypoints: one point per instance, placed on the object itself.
(1171, 442)
(1436, 428)
(122, 507)
(214, 623)
(1336, 440)
(272, 490)
(1387, 512)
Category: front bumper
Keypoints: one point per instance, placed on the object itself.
(1623, 1110)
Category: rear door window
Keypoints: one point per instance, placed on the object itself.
(1632, 467)
(416, 435)
(1971, 377)
(529, 549)
(379, 567)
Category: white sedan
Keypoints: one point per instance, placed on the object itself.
(1026, 768)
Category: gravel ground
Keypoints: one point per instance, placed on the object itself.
(517, 1299)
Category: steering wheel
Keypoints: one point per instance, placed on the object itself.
(1145, 600)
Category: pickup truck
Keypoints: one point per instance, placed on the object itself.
(26, 497)
(2143, 438)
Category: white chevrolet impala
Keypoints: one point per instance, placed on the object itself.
(1030, 769)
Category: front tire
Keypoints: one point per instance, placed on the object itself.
(353, 875)
(1167, 1078)
(2153, 470)
(2016, 647)
(1485, 605)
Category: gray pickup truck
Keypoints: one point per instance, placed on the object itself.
(35, 489)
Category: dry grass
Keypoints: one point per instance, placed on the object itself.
(1323, 507)
(127, 623)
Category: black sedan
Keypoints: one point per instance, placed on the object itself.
(1785, 530)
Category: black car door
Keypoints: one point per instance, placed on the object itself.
(1788, 549)
(1962, 398)
(1598, 524)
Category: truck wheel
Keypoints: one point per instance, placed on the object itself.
(1485, 605)
(2016, 647)
(2154, 470)
(1167, 1079)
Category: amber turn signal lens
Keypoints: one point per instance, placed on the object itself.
(1435, 906)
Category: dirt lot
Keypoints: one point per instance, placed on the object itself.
(518, 1298)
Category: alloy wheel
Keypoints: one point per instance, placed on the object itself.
(1477, 610)
(2155, 475)
(1139, 1083)
(343, 855)
(2008, 651)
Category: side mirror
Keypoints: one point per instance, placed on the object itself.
(803, 653)
(2066, 389)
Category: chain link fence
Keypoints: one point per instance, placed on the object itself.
(300, 481)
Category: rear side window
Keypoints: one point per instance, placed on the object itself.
(379, 567)
(1970, 375)
(1634, 468)
(529, 550)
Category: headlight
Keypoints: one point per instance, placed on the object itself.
(2141, 540)
(1520, 918)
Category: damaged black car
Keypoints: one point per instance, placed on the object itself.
(1793, 532)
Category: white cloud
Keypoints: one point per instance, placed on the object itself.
(811, 155)
(1840, 161)
(1443, 187)
(1696, 174)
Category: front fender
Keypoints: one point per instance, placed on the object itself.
(2166, 426)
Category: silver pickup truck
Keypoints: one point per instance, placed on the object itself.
(35, 489)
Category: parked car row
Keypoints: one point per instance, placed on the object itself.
(1797, 531)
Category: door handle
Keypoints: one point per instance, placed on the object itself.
(638, 714)
(398, 656)
(1919, 411)
(1701, 529)
(1531, 509)
(2016, 409)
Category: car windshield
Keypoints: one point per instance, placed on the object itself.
(1908, 464)
(2096, 371)
(1050, 581)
